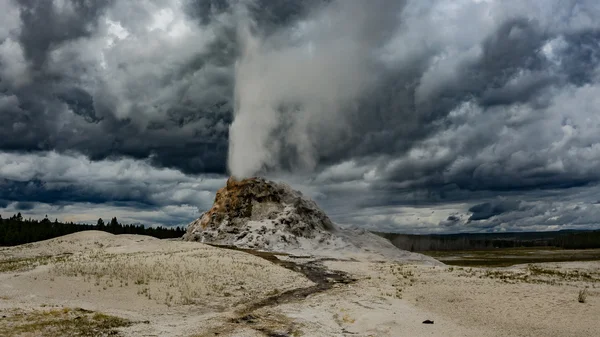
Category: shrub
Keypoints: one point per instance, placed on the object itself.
(582, 295)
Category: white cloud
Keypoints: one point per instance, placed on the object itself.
(110, 180)
(89, 213)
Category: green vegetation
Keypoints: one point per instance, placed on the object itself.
(508, 257)
(60, 322)
(16, 230)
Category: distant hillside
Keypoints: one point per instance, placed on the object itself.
(16, 230)
(568, 239)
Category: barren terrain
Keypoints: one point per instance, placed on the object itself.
(94, 284)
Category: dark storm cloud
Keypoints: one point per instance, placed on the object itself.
(401, 111)
(170, 108)
(488, 210)
(384, 111)
(268, 15)
(24, 206)
(433, 114)
(452, 220)
(44, 26)
(55, 179)
(581, 50)
(206, 10)
(508, 113)
(81, 103)
(510, 73)
(273, 15)
(37, 191)
(4, 203)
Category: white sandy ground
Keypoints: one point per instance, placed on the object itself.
(174, 288)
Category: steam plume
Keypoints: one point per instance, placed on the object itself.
(296, 88)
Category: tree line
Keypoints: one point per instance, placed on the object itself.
(568, 239)
(16, 230)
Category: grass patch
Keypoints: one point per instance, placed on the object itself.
(268, 323)
(511, 256)
(61, 322)
(25, 264)
(571, 275)
(187, 277)
(533, 274)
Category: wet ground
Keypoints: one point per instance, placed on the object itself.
(314, 270)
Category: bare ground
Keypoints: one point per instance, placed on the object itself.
(96, 284)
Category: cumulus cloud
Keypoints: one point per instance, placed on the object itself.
(452, 113)
(432, 105)
(90, 213)
(116, 78)
(68, 182)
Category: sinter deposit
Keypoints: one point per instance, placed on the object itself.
(266, 215)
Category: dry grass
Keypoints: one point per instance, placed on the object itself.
(266, 323)
(124, 273)
(12, 265)
(60, 322)
(534, 274)
(401, 276)
(582, 297)
(180, 278)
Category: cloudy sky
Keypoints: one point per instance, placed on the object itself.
(414, 116)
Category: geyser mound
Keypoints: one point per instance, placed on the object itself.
(261, 214)
(265, 215)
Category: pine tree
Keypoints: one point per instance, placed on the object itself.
(16, 230)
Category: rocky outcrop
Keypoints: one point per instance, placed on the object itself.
(262, 214)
